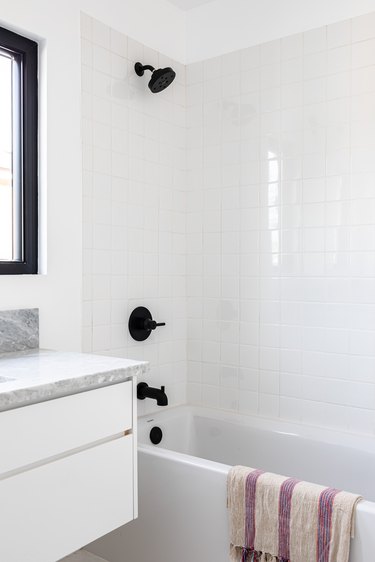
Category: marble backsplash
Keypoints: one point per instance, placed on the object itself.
(19, 330)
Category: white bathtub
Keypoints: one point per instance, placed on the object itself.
(182, 481)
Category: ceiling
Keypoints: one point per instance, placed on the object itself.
(188, 4)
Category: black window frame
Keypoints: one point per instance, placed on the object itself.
(25, 51)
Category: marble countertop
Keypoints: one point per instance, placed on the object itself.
(28, 377)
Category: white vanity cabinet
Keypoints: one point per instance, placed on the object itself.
(67, 472)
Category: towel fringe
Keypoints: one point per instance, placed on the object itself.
(244, 554)
(251, 555)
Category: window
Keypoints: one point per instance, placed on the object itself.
(18, 154)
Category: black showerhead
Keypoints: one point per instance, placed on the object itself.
(160, 79)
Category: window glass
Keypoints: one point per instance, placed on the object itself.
(6, 136)
(18, 154)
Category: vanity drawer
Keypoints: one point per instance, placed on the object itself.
(33, 433)
(50, 511)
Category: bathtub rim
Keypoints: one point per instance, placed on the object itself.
(364, 443)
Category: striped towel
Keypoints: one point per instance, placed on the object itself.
(277, 519)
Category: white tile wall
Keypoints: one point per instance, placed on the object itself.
(260, 257)
(134, 205)
(281, 228)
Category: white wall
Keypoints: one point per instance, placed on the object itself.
(225, 25)
(281, 228)
(134, 205)
(155, 23)
(58, 292)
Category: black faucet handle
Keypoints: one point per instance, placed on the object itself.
(141, 324)
(152, 324)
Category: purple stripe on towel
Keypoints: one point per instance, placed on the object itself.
(285, 505)
(326, 499)
(250, 490)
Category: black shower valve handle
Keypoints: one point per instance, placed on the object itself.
(152, 324)
(141, 323)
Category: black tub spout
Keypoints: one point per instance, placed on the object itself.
(158, 394)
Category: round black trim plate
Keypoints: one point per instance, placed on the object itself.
(141, 324)
(137, 323)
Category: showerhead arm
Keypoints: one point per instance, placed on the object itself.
(140, 68)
